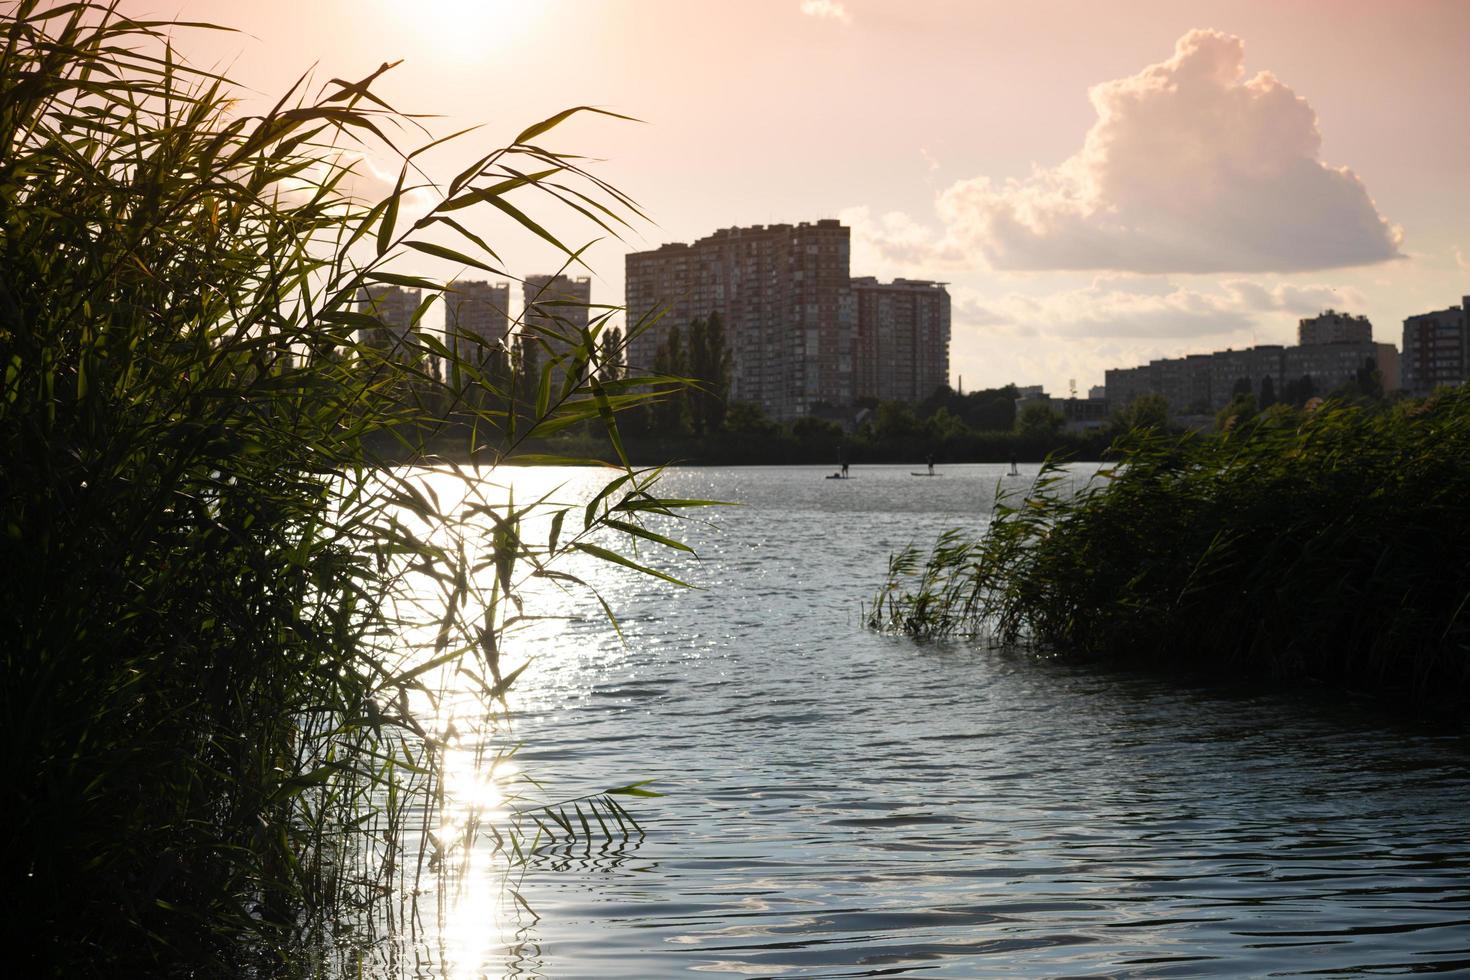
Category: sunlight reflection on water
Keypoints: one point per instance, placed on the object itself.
(841, 803)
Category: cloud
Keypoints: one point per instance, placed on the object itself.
(1189, 167)
(893, 243)
(1153, 308)
(826, 10)
(1461, 261)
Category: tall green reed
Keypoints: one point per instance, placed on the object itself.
(210, 571)
(1327, 546)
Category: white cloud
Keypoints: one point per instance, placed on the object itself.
(1190, 167)
(1461, 261)
(894, 244)
(826, 10)
(1153, 308)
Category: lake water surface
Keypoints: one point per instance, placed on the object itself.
(844, 804)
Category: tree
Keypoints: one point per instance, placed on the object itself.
(1299, 391)
(671, 412)
(709, 368)
(747, 418)
(1242, 409)
(1370, 380)
(1150, 411)
(611, 363)
(1038, 420)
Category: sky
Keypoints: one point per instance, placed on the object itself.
(1100, 183)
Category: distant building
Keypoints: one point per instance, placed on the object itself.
(556, 305)
(1435, 349)
(1205, 383)
(556, 311)
(902, 349)
(786, 301)
(1097, 393)
(1331, 366)
(476, 317)
(1332, 327)
(1083, 414)
(393, 307)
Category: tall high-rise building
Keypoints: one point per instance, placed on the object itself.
(784, 294)
(476, 317)
(556, 304)
(902, 348)
(1332, 327)
(391, 306)
(556, 312)
(1436, 351)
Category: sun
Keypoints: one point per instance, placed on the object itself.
(464, 31)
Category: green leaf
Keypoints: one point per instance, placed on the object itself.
(633, 789)
(612, 556)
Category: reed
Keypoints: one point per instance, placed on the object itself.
(209, 586)
(1324, 546)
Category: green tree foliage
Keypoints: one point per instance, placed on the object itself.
(1299, 391)
(1038, 420)
(987, 410)
(208, 576)
(1150, 411)
(613, 367)
(709, 368)
(1242, 409)
(670, 414)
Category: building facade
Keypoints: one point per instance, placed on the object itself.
(1435, 349)
(1205, 383)
(393, 307)
(556, 307)
(1332, 327)
(902, 345)
(476, 317)
(784, 294)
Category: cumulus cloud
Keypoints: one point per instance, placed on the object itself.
(826, 10)
(1190, 167)
(893, 243)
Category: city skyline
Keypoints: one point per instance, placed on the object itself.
(992, 150)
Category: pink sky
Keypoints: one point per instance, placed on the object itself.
(1100, 183)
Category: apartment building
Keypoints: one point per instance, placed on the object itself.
(786, 300)
(1205, 383)
(476, 317)
(1435, 349)
(902, 344)
(393, 307)
(1332, 327)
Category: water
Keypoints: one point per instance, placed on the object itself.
(843, 804)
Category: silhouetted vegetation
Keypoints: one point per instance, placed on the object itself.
(207, 579)
(700, 426)
(1325, 545)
